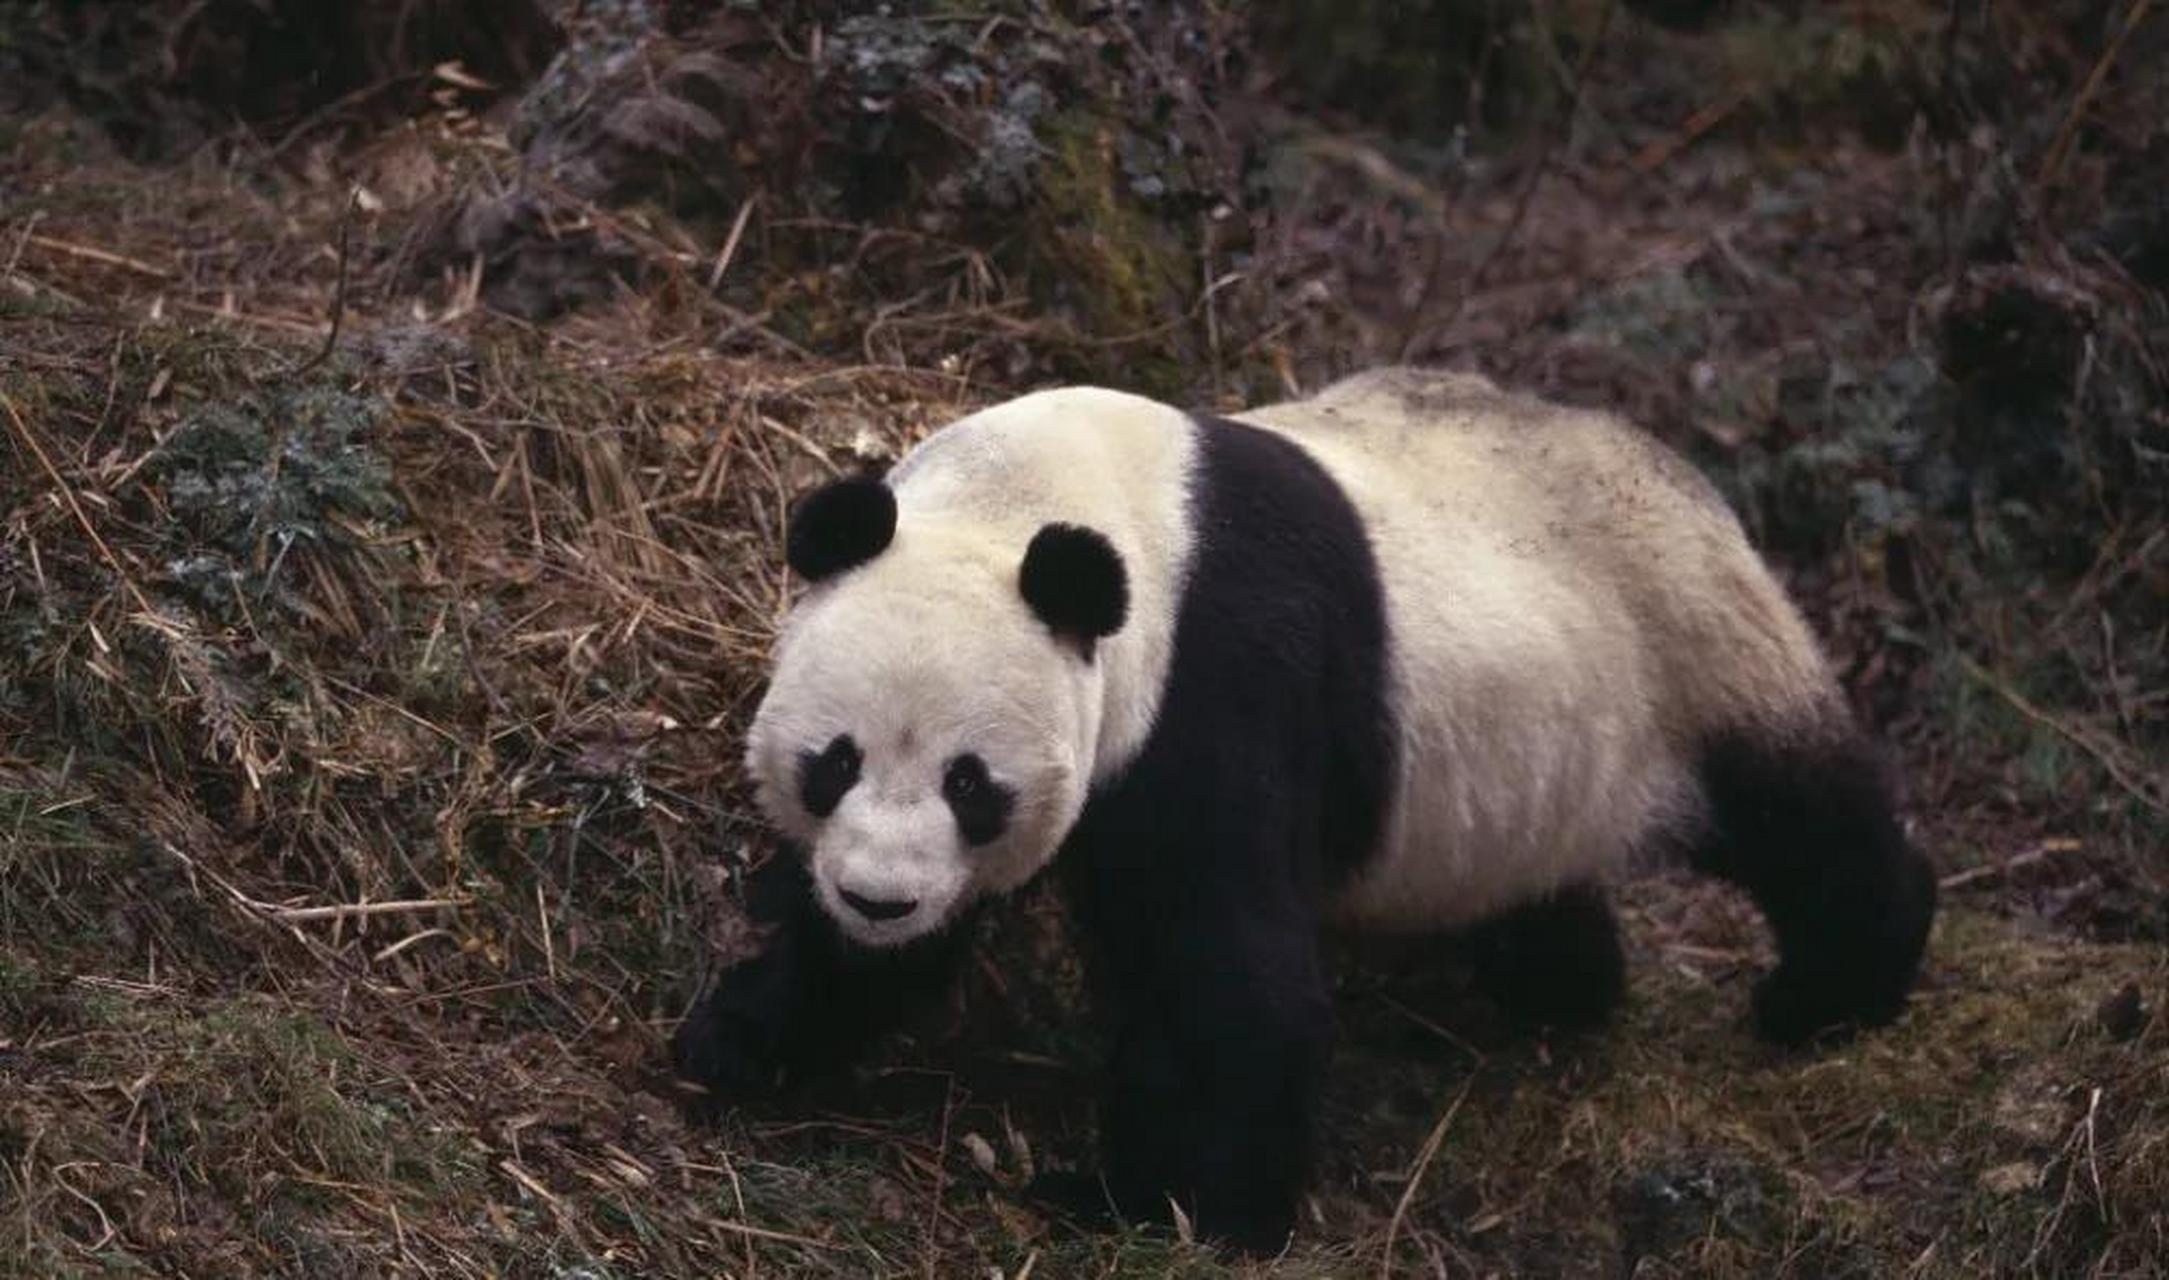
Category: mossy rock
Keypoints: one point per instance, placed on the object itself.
(1120, 272)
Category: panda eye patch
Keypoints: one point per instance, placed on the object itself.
(825, 776)
(981, 804)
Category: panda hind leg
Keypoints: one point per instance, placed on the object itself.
(1811, 832)
(1552, 962)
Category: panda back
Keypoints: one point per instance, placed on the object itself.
(1572, 613)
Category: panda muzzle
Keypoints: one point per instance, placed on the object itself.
(879, 908)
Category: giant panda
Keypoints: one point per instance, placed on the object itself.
(1414, 655)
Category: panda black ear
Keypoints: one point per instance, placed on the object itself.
(1074, 580)
(839, 526)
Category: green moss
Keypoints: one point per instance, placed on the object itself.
(1120, 272)
(34, 818)
(248, 1085)
(19, 983)
(40, 305)
(276, 463)
(51, 851)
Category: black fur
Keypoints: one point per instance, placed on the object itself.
(826, 776)
(1200, 870)
(1555, 962)
(839, 526)
(1074, 581)
(809, 1002)
(980, 805)
(1810, 832)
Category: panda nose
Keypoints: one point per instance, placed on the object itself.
(879, 908)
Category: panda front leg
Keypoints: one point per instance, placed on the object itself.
(809, 1002)
(1219, 1056)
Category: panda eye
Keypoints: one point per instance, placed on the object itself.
(825, 776)
(964, 778)
(981, 804)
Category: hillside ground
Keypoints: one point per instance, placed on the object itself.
(373, 657)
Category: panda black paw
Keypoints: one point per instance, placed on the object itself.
(728, 1058)
(1794, 1008)
(1079, 1195)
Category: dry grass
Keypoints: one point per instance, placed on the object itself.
(368, 764)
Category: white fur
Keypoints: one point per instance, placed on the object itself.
(1570, 610)
(929, 650)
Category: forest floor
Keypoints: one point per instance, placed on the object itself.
(371, 665)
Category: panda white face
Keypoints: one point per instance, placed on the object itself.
(926, 738)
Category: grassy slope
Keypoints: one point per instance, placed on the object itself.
(308, 1125)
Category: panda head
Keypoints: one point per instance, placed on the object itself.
(933, 712)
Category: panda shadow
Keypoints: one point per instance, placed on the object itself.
(1016, 1043)
(1559, 986)
(1011, 1046)
(1551, 970)
(1421, 1007)
(939, 1081)
(1423, 1033)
